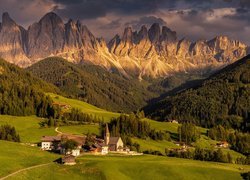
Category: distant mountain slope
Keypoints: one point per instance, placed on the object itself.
(21, 93)
(150, 52)
(93, 84)
(222, 98)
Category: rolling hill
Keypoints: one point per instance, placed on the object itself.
(143, 167)
(223, 98)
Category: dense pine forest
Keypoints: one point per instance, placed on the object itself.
(22, 94)
(93, 84)
(224, 99)
(107, 90)
(133, 126)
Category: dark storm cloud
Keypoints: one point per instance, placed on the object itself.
(191, 18)
(112, 25)
(147, 20)
(82, 9)
(99, 8)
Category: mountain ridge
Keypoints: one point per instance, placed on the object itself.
(154, 52)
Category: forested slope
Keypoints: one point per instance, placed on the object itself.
(93, 84)
(224, 98)
(23, 94)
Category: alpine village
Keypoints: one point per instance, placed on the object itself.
(128, 89)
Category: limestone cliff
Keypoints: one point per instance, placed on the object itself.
(153, 52)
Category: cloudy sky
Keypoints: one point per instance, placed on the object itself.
(193, 19)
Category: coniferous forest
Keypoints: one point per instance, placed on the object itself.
(22, 94)
(224, 99)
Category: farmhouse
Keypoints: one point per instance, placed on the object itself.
(68, 160)
(222, 144)
(174, 121)
(50, 142)
(55, 143)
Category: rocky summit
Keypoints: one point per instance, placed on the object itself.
(153, 52)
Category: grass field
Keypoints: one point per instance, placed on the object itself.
(85, 107)
(27, 127)
(140, 167)
(149, 144)
(80, 129)
(107, 115)
(15, 156)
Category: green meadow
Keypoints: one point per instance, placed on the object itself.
(27, 127)
(85, 107)
(80, 129)
(149, 144)
(138, 167)
(15, 156)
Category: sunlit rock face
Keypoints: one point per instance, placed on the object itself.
(153, 52)
(13, 41)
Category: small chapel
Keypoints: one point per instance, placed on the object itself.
(113, 143)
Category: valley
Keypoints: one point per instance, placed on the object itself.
(121, 90)
(96, 167)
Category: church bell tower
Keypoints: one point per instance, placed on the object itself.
(107, 135)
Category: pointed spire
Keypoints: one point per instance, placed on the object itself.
(52, 18)
(128, 35)
(6, 19)
(107, 134)
(154, 33)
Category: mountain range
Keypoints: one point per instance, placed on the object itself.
(154, 52)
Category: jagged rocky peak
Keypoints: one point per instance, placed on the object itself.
(154, 33)
(12, 41)
(149, 52)
(224, 42)
(46, 37)
(88, 39)
(72, 36)
(128, 35)
(6, 20)
(168, 34)
(142, 34)
(113, 43)
(51, 18)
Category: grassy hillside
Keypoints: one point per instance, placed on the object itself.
(93, 84)
(15, 156)
(82, 129)
(224, 98)
(85, 107)
(108, 167)
(143, 167)
(27, 127)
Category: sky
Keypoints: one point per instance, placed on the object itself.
(192, 19)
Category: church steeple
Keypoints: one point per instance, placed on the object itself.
(107, 135)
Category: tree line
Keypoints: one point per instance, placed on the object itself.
(74, 117)
(239, 141)
(202, 154)
(131, 125)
